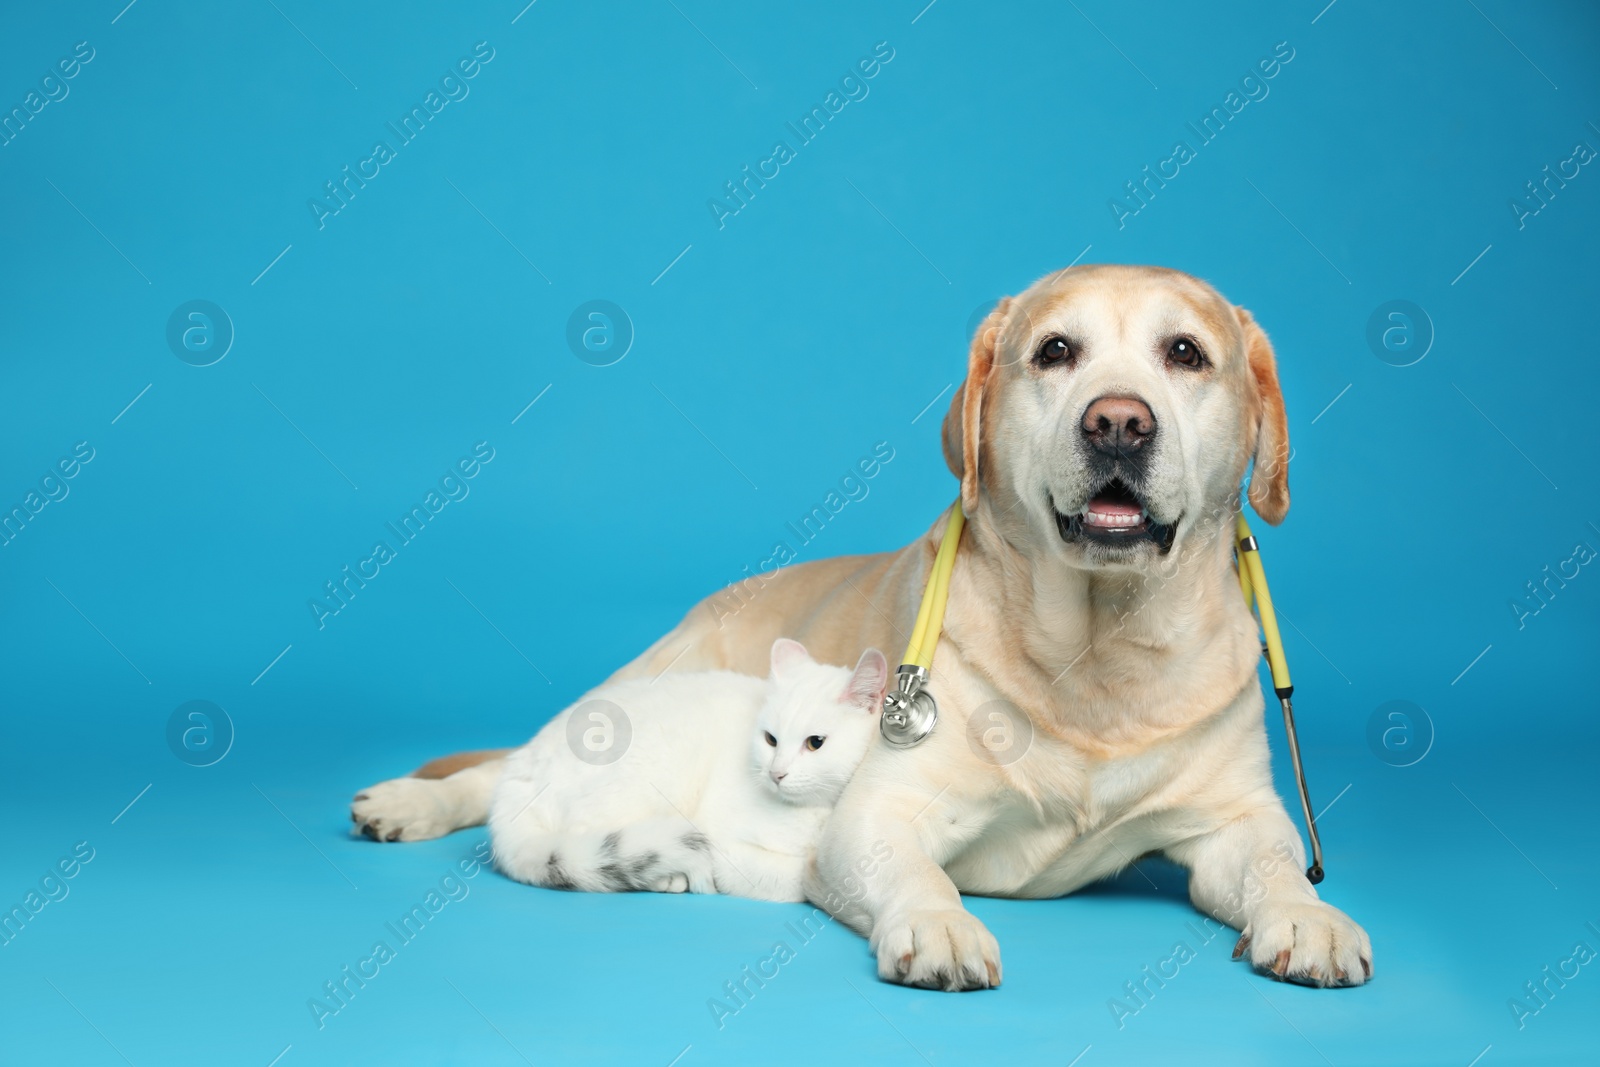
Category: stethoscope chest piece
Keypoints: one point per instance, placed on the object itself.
(909, 711)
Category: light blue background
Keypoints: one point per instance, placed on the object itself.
(770, 357)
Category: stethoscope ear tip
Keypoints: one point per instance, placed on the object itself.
(1314, 874)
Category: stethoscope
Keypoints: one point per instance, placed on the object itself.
(910, 711)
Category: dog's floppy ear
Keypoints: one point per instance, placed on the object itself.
(961, 435)
(1269, 481)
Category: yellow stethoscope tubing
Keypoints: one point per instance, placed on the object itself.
(1253, 582)
(935, 594)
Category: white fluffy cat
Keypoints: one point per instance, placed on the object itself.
(722, 785)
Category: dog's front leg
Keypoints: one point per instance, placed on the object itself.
(877, 869)
(1250, 874)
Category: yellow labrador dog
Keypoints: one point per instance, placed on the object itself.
(1108, 417)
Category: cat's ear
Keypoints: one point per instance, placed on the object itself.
(786, 654)
(869, 682)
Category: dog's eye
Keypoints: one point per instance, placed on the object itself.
(814, 742)
(1055, 350)
(1185, 353)
(773, 741)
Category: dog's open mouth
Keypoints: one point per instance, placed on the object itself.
(1115, 515)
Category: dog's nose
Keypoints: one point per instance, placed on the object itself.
(1118, 425)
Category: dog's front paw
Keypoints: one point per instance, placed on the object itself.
(945, 949)
(404, 809)
(1308, 942)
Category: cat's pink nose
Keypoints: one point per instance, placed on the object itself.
(778, 776)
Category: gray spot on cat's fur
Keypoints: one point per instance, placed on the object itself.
(696, 841)
(636, 873)
(555, 876)
(612, 874)
(614, 877)
(623, 875)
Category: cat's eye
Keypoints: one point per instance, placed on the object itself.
(773, 741)
(814, 742)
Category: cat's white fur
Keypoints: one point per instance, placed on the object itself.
(723, 785)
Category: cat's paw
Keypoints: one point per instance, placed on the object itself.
(1307, 942)
(947, 949)
(404, 809)
(672, 882)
